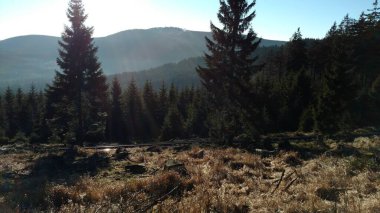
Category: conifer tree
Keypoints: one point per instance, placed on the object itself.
(173, 95)
(23, 116)
(9, 105)
(230, 65)
(300, 84)
(133, 111)
(163, 104)
(374, 14)
(195, 124)
(79, 90)
(151, 128)
(35, 108)
(297, 57)
(185, 99)
(338, 87)
(117, 127)
(173, 125)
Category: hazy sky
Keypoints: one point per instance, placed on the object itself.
(276, 19)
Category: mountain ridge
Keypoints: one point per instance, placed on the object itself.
(32, 58)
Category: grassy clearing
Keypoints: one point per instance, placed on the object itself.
(339, 177)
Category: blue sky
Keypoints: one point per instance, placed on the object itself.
(276, 19)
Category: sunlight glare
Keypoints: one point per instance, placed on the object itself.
(113, 16)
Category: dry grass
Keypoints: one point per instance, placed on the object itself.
(226, 180)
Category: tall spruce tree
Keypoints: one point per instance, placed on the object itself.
(10, 114)
(151, 128)
(133, 111)
(79, 91)
(163, 104)
(34, 110)
(297, 57)
(299, 97)
(23, 116)
(230, 67)
(338, 88)
(117, 127)
(173, 124)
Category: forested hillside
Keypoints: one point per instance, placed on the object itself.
(328, 85)
(27, 59)
(227, 124)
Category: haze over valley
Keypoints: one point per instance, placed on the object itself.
(32, 59)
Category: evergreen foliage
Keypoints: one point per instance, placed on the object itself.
(150, 117)
(117, 127)
(133, 112)
(163, 104)
(77, 98)
(327, 85)
(9, 106)
(230, 65)
(173, 125)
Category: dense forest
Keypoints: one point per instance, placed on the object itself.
(324, 85)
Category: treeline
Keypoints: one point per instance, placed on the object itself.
(132, 115)
(326, 85)
(164, 114)
(22, 116)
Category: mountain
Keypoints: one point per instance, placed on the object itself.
(182, 74)
(32, 58)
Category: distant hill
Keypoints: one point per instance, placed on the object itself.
(28, 59)
(182, 74)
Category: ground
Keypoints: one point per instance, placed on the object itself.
(310, 177)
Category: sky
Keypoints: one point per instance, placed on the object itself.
(275, 19)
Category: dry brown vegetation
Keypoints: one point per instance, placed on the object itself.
(343, 178)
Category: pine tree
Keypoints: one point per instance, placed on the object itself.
(163, 104)
(34, 110)
(151, 128)
(195, 124)
(10, 118)
(374, 14)
(117, 126)
(23, 117)
(299, 97)
(297, 58)
(185, 98)
(133, 112)
(173, 95)
(173, 125)
(80, 88)
(338, 87)
(230, 65)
